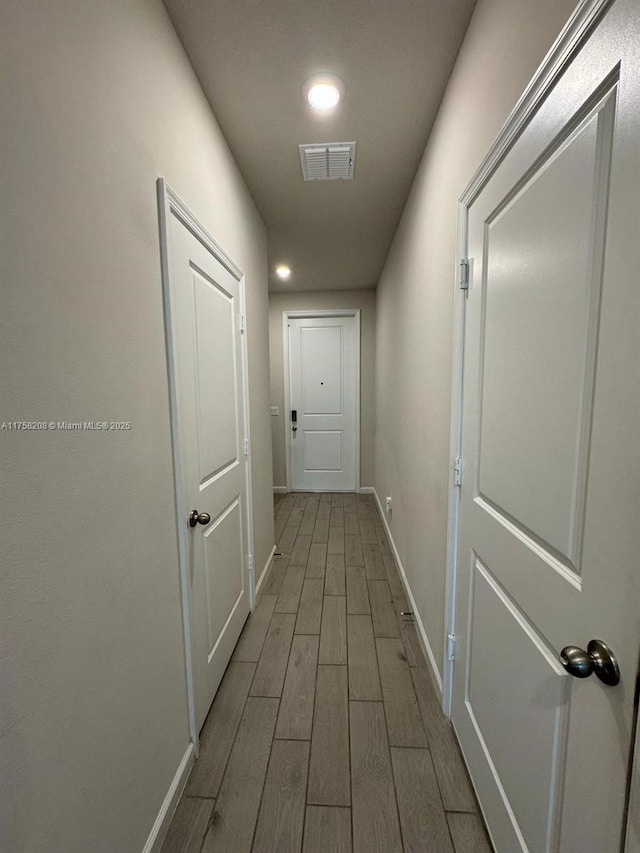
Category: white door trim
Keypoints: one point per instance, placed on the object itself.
(572, 38)
(336, 312)
(170, 204)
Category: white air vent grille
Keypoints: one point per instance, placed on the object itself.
(331, 161)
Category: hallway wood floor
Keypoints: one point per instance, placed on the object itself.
(326, 733)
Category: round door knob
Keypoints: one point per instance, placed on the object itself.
(196, 517)
(598, 658)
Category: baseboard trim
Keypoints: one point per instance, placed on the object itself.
(422, 634)
(163, 820)
(266, 568)
(366, 490)
(280, 490)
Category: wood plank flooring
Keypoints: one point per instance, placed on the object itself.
(326, 733)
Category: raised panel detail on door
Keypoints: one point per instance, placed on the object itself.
(540, 316)
(224, 571)
(322, 349)
(322, 451)
(511, 712)
(215, 323)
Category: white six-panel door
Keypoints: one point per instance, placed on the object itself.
(550, 505)
(323, 371)
(205, 312)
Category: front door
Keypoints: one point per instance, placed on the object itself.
(550, 504)
(324, 370)
(204, 306)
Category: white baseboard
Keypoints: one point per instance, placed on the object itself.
(163, 820)
(422, 634)
(280, 490)
(263, 573)
(367, 490)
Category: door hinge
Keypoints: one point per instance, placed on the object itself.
(451, 646)
(246, 447)
(464, 274)
(250, 563)
(457, 471)
(243, 323)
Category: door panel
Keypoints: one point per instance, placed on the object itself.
(323, 451)
(207, 362)
(224, 571)
(537, 297)
(322, 351)
(549, 506)
(509, 713)
(215, 364)
(323, 370)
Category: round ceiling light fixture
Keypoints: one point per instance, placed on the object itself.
(323, 91)
(283, 272)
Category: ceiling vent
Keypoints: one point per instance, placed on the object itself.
(332, 161)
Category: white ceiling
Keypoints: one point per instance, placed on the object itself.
(252, 58)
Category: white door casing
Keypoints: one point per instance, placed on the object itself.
(207, 369)
(549, 504)
(322, 355)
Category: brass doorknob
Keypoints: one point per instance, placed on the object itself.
(196, 517)
(598, 658)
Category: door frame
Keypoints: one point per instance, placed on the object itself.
(572, 38)
(170, 204)
(297, 315)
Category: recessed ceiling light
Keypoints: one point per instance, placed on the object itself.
(283, 272)
(323, 91)
(323, 96)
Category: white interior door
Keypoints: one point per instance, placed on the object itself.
(207, 365)
(324, 369)
(550, 504)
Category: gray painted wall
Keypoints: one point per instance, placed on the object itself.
(365, 300)
(99, 101)
(505, 43)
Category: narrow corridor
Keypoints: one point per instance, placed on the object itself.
(326, 733)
